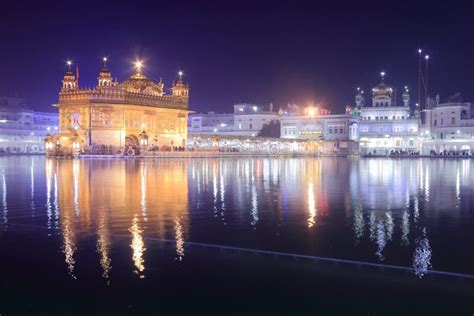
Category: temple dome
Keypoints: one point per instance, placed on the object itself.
(139, 83)
(382, 90)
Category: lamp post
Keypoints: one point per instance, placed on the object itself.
(143, 141)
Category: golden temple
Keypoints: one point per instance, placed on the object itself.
(129, 118)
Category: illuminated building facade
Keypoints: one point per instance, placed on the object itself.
(129, 117)
(246, 120)
(335, 134)
(448, 128)
(22, 131)
(387, 127)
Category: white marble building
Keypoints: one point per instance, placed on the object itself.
(334, 133)
(386, 126)
(246, 120)
(448, 128)
(23, 131)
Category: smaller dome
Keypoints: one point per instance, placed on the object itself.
(382, 90)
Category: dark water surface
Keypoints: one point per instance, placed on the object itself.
(236, 236)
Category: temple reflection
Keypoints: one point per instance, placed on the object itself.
(112, 198)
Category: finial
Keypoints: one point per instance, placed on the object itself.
(382, 74)
(105, 59)
(69, 64)
(180, 74)
(138, 65)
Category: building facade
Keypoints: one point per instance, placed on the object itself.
(448, 128)
(333, 134)
(387, 127)
(128, 117)
(246, 120)
(23, 131)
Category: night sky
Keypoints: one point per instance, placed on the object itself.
(243, 52)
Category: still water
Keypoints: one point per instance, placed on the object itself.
(141, 235)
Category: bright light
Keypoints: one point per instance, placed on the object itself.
(215, 130)
(3, 121)
(69, 62)
(311, 111)
(427, 57)
(56, 128)
(458, 131)
(223, 124)
(138, 65)
(49, 128)
(382, 74)
(104, 59)
(419, 50)
(255, 108)
(180, 73)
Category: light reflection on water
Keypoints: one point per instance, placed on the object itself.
(370, 210)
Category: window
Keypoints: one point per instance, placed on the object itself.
(330, 130)
(453, 120)
(250, 126)
(386, 117)
(341, 130)
(441, 121)
(435, 121)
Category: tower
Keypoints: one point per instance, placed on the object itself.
(359, 98)
(180, 88)
(69, 80)
(105, 78)
(406, 97)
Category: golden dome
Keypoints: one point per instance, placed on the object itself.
(382, 90)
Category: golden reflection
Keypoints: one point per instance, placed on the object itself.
(138, 247)
(179, 239)
(103, 244)
(116, 197)
(311, 205)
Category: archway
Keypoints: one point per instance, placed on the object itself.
(131, 145)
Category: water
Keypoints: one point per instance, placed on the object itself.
(235, 236)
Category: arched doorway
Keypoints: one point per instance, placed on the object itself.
(131, 145)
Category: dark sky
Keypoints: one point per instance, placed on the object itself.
(240, 51)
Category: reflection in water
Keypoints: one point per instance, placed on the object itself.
(405, 228)
(422, 256)
(32, 187)
(359, 223)
(254, 210)
(138, 247)
(4, 200)
(381, 204)
(179, 239)
(381, 241)
(311, 205)
(103, 244)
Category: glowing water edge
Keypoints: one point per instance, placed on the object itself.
(236, 236)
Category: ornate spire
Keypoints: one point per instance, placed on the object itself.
(180, 88)
(69, 80)
(105, 78)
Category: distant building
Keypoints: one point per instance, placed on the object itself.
(386, 126)
(246, 120)
(334, 134)
(23, 131)
(448, 128)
